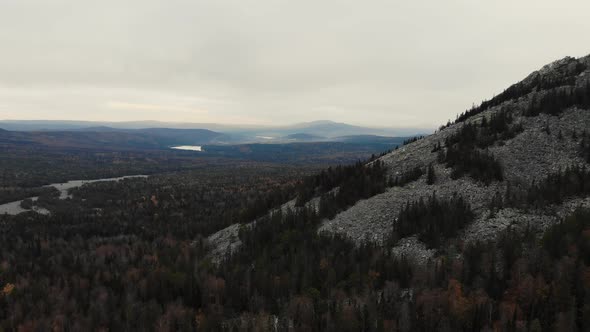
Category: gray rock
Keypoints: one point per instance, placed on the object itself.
(531, 155)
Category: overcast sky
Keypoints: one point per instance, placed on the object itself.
(382, 63)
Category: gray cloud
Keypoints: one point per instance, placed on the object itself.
(386, 63)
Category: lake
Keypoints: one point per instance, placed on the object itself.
(188, 147)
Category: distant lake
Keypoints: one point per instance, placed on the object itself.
(188, 147)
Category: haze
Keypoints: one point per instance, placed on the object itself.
(377, 63)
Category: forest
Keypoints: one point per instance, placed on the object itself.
(30, 166)
(465, 152)
(585, 147)
(433, 220)
(555, 101)
(137, 265)
(574, 181)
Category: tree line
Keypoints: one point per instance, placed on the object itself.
(554, 102)
(574, 181)
(360, 180)
(520, 89)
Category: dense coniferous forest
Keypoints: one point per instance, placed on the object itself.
(471, 293)
(63, 273)
(320, 283)
(574, 181)
(30, 166)
(367, 182)
(433, 220)
(555, 101)
(480, 165)
(356, 180)
(585, 147)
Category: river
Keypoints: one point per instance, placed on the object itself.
(14, 208)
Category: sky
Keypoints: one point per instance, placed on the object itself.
(374, 63)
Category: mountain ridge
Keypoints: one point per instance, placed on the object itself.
(316, 128)
(542, 119)
(531, 155)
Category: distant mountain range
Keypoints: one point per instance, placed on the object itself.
(73, 135)
(329, 129)
(234, 133)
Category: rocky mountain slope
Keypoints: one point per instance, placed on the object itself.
(540, 138)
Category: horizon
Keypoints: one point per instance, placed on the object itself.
(229, 125)
(271, 124)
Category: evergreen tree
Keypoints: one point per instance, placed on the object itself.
(433, 220)
(431, 176)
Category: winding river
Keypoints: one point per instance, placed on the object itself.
(14, 208)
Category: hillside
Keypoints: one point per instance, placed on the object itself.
(475, 207)
(547, 144)
(544, 144)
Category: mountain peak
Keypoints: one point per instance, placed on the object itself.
(566, 73)
(528, 133)
(568, 66)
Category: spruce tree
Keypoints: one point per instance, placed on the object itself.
(431, 176)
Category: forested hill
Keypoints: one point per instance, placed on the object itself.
(464, 229)
(495, 153)
(109, 138)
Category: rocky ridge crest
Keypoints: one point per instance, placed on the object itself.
(547, 144)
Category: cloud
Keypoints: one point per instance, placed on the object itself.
(118, 105)
(403, 63)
